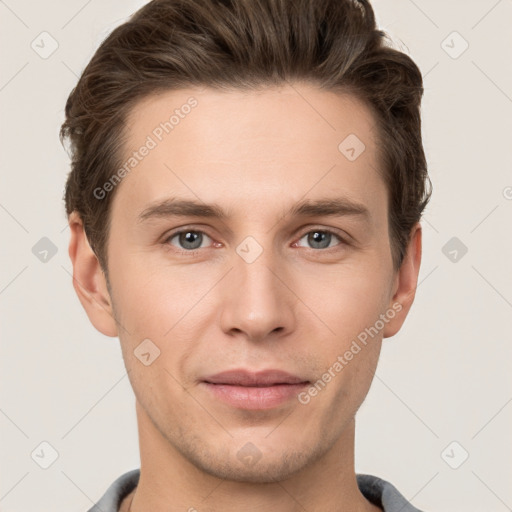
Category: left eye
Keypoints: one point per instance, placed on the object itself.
(320, 239)
(189, 240)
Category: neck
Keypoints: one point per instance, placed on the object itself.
(170, 482)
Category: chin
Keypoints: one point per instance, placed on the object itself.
(249, 465)
(260, 473)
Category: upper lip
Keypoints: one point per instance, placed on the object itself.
(248, 378)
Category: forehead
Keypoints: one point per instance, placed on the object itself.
(306, 112)
(260, 146)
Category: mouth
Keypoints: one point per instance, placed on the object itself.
(254, 390)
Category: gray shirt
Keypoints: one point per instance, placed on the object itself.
(375, 490)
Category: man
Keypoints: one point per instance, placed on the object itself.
(244, 202)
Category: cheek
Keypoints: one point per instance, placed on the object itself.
(344, 300)
(348, 302)
(156, 309)
(167, 306)
(152, 296)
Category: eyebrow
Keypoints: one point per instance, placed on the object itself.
(330, 207)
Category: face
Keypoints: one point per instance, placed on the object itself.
(283, 264)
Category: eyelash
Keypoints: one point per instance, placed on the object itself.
(194, 252)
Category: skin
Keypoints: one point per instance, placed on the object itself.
(297, 307)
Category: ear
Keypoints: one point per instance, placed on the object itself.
(89, 279)
(405, 283)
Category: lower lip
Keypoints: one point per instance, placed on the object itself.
(246, 397)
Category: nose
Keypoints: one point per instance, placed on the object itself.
(257, 302)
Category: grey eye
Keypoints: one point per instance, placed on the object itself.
(189, 239)
(320, 239)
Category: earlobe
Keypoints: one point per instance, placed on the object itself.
(406, 282)
(89, 280)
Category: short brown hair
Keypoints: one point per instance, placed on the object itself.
(171, 44)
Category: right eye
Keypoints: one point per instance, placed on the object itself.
(189, 240)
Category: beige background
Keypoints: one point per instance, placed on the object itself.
(445, 377)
